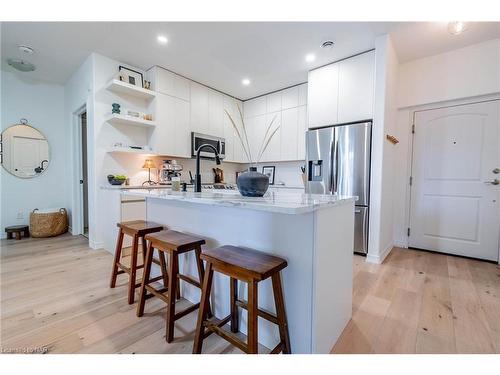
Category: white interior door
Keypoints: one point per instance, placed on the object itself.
(454, 204)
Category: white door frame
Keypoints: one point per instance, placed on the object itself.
(77, 212)
(428, 107)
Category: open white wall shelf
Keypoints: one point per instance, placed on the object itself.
(118, 119)
(120, 87)
(128, 150)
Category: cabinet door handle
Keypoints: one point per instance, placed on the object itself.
(493, 182)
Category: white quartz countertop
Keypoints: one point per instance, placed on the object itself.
(279, 202)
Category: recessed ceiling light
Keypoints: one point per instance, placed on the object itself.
(310, 57)
(245, 81)
(457, 27)
(162, 39)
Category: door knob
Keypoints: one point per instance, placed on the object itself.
(496, 170)
(493, 182)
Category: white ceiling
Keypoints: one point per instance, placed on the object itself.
(220, 54)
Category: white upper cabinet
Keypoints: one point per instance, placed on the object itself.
(342, 92)
(356, 88)
(273, 102)
(256, 107)
(162, 138)
(290, 97)
(322, 96)
(170, 83)
(199, 108)
(301, 132)
(182, 131)
(303, 94)
(289, 134)
(273, 150)
(215, 113)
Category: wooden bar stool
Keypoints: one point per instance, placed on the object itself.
(250, 266)
(173, 243)
(136, 229)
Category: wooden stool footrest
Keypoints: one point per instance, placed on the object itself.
(157, 293)
(189, 280)
(262, 313)
(186, 311)
(215, 326)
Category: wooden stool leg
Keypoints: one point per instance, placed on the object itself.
(18, 235)
(144, 248)
(9, 235)
(203, 309)
(252, 330)
(173, 270)
(233, 286)
(145, 279)
(133, 270)
(26, 232)
(118, 253)
(163, 268)
(281, 314)
(201, 273)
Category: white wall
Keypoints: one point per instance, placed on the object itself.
(461, 73)
(457, 77)
(43, 105)
(383, 152)
(78, 94)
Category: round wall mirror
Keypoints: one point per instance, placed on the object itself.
(24, 151)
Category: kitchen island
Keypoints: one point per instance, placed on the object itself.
(314, 233)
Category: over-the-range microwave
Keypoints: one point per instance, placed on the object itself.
(198, 139)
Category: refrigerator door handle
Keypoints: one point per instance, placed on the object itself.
(332, 167)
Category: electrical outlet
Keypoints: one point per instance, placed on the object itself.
(20, 214)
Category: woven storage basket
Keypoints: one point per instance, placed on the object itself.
(48, 224)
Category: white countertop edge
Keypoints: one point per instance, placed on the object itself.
(221, 201)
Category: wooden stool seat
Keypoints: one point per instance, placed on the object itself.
(173, 243)
(137, 229)
(16, 230)
(249, 263)
(252, 267)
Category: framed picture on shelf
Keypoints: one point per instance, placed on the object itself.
(269, 172)
(131, 76)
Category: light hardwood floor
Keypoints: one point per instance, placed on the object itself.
(423, 302)
(55, 296)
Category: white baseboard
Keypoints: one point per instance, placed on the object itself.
(96, 245)
(379, 258)
(399, 243)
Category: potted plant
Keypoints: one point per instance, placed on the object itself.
(252, 183)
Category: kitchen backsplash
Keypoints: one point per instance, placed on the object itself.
(131, 166)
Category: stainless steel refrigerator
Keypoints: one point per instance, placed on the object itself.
(338, 162)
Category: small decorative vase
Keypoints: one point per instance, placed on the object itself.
(116, 108)
(252, 183)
